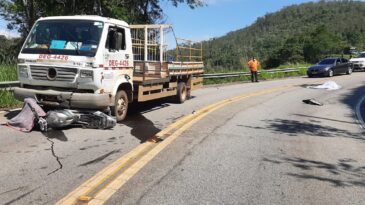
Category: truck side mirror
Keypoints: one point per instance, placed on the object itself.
(115, 42)
(118, 40)
(112, 43)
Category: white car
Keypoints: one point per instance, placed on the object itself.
(359, 62)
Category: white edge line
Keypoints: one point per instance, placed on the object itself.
(360, 119)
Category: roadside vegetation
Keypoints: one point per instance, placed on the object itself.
(7, 100)
(299, 33)
(8, 72)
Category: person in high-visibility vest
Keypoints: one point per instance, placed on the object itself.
(253, 64)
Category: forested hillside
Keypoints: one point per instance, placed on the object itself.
(9, 49)
(298, 33)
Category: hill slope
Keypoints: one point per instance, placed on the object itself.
(297, 33)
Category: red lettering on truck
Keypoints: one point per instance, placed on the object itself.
(118, 63)
(53, 57)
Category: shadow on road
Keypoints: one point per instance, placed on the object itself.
(146, 107)
(142, 128)
(55, 134)
(295, 128)
(306, 85)
(150, 106)
(11, 114)
(353, 98)
(100, 158)
(343, 173)
(313, 118)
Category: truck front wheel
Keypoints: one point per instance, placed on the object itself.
(120, 108)
(181, 92)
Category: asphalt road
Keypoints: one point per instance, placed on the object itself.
(268, 149)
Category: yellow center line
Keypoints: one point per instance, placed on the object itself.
(173, 131)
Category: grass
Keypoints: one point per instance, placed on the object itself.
(347, 56)
(8, 73)
(296, 65)
(7, 99)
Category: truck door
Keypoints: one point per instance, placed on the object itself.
(116, 56)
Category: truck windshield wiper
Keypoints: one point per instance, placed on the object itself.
(77, 48)
(49, 48)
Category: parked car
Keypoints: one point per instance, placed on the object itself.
(359, 61)
(353, 51)
(330, 67)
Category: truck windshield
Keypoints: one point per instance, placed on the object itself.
(65, 37)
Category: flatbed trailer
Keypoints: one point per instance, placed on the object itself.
(158, 77)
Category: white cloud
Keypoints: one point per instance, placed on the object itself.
(9, 34)
(4, 32)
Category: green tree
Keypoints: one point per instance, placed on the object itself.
(280, 37)
(322, 43)
(290, 52)
(8, 49)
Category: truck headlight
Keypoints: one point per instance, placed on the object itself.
(23, 71)
(86, 74)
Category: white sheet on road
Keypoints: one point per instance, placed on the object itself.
(329, 85)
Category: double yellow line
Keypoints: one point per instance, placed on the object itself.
(99, 188)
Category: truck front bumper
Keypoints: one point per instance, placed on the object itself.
(66, 99)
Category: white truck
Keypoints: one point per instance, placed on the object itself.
(359, 62)
(93, 62)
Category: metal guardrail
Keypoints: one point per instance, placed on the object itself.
(9, 85)
(238, 74)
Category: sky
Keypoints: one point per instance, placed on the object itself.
(215, 19)
(219, 17)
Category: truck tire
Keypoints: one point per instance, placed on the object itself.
(181, 92)
(120, 108)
